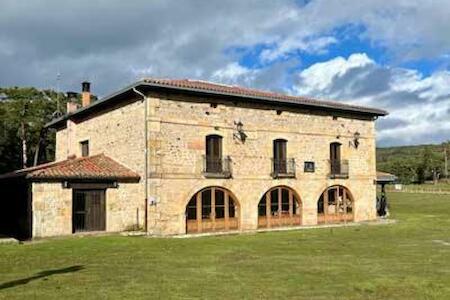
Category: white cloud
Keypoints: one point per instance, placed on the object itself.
(233, 72)
(318, 77)
(419, 106)
(115, 42)
(285, 47)
(183, 39)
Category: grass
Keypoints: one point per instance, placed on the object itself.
(407, 260)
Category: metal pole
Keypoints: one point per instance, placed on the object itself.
(145, 100)
(445, 162)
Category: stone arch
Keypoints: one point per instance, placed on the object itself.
(278, 207)
(335, 205)
(212, 209)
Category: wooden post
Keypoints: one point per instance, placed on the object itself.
(325, 206)
(336, 200)
(268, 209)
(226, 213)
(199, 212)
(280, 210)
(344, 198)
(213, 209)
(291, 207)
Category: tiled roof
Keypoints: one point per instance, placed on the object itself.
(253, 93)
(216, 89)
(385, 177)
(97, 167)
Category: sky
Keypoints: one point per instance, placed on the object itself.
(389, 54)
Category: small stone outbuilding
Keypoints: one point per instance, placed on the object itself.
(64, 197)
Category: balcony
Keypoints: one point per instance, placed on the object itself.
(216, 167)
(283, 168)
(339, 169)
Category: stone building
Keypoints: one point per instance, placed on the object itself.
(183, 156)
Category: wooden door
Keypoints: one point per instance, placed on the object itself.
(88, 210)
(280, 156)
(212, 209)
(214, 154)
(335, 158)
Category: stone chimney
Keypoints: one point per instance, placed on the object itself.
(86, 94)
(72, 104)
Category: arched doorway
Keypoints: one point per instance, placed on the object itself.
(335, 205)
(212, 209)
(280, 206)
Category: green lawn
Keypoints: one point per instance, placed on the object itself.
(407, 260)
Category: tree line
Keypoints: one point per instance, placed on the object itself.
(23, 114)
(415, 164)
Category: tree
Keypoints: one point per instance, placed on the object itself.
(23, 114)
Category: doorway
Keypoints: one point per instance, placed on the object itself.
(88, 210)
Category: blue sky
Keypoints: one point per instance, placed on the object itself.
(388, 54)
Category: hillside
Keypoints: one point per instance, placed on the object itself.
(414, 163)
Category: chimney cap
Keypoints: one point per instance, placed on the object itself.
(71, 94)
(86, 86)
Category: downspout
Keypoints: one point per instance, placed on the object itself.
(145, 100)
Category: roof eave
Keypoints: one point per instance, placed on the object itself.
(362, 111)
(81, 178)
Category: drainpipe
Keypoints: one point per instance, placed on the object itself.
(145, 100)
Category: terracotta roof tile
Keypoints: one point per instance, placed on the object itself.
(199, 86)
(247, 92)
(92, 167)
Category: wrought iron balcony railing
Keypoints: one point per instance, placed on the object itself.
(216, 167)
(283, 168)
(339, 168)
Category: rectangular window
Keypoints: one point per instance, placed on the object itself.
(84, 148)
(206, 204)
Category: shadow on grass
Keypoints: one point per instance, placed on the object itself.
(39, 275)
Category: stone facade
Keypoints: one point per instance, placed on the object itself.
(177, 127)
(52, 209)
(118, 133)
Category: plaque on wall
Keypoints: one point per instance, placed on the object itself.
(309, 166)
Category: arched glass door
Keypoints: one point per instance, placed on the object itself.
(212, 209)
(280, 206)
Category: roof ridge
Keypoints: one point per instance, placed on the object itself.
(268, 93)
(220, 89)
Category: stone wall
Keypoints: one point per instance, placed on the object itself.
(179, 125)
(119, 134)
(52, 209)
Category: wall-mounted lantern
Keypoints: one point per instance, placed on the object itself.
(239, 134)
(356, 137)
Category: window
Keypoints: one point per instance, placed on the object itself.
(84, 148)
